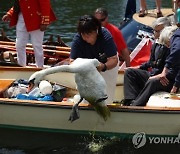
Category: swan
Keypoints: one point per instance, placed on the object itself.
(90, 84)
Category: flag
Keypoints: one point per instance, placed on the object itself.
(140, 54)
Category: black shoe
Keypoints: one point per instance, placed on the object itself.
(126, 102)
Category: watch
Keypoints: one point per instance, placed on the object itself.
(105, 68)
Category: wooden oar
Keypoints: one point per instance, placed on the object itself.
(55, 52)
(44, 46)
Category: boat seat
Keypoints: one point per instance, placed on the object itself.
(5, 84)
(164, 99)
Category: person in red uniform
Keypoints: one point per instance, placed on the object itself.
(31, 18)
(102, 15)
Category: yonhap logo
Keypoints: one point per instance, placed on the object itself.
(139, 140)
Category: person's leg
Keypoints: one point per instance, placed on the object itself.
(150, 88)
(143, 8)
(37, 41)
(134, 81)
(158, 8)
(22, 37)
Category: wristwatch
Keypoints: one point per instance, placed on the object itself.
(105, 68)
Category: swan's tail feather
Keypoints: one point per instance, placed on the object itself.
(103, 111)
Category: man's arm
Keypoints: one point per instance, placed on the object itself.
(126, 57)
(110, 64)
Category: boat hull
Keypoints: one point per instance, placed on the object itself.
(54, 118)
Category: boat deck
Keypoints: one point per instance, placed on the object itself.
(6, 83)
(151, 16)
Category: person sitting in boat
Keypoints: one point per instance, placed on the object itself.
(158, 26)
(143, 8)
(102, 15)
(31, 17)
(94, 41)
(138, 82)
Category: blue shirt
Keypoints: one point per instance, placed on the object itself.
(173, 60)
(104, 47)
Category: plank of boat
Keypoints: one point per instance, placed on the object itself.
(58, 48)
(62, 52)
(4, 84)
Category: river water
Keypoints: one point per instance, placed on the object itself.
(68, 12)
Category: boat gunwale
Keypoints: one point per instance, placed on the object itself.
(113, 107)
(30, 68)
(14, 68)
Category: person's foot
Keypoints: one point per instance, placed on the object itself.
(159, 14)
(126, 102)
(142, 13)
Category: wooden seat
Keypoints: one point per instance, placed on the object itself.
(5, 83)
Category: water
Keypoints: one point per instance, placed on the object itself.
(68, 12)
(23, 142)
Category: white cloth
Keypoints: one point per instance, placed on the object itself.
(110, 76)
(22, 38)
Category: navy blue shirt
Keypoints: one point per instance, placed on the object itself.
(173, 60)
(104, 47)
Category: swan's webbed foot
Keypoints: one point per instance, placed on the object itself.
(75, 112)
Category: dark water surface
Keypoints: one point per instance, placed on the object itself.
(68, 12)
(23, 142)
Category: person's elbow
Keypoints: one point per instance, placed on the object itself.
(113, 61)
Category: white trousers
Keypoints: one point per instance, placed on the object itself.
(110, 76)
(22, 38)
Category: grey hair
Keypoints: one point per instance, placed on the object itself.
(161, 21)
(166, 34)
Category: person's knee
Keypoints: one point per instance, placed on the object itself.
(129, 71)
(153, 82)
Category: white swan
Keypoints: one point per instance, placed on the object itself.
(90, 84)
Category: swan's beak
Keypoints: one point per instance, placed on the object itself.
(30, 85)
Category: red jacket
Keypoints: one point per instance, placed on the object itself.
(35, 13)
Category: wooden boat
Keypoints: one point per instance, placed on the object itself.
(63, 78)
(53, 116)
(54, 51)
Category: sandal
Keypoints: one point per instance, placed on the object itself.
(142, 13)
(159, 14)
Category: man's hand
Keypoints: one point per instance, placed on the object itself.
(174, 89)
(100, 67)
(6, 18)
(43, 27)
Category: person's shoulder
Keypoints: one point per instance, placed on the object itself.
(105, 31)
(177, 33)
(77, 36)
(111, 26)
(77, 39)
